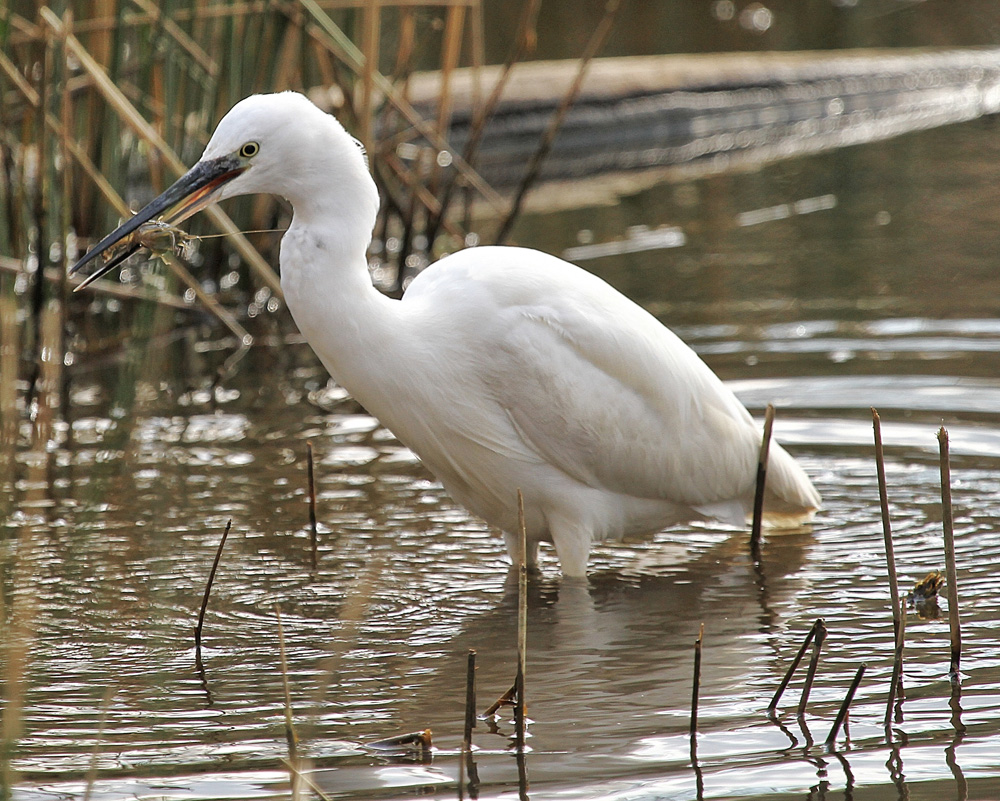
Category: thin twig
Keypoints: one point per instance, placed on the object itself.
(951, 571)
(313, 536)
(208, 590)
(758, 498)
(794, 666)
(696, 683)
(844, 707)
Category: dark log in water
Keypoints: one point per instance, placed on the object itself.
(712, 111)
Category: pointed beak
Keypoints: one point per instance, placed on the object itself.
(192, 192)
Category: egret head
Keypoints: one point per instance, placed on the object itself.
(278, 144)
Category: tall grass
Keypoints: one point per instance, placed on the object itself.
(101, 97)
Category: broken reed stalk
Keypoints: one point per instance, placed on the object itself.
(883, 494)
(896, 684)
(522, 625)
(820, 628)
(470, 699)
(696, 683)
(504, 700)
(312, 503)
(831, 740)
(290, 735)
(758, 498)
(208, 591)
(795, 663)
(951, 572)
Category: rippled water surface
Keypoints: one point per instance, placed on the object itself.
(885, 294)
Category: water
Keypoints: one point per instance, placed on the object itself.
(882, 293)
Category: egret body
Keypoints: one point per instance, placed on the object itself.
(502, 368)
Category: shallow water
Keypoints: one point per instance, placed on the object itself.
(884, 294)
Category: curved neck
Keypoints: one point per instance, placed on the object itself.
(350, 324)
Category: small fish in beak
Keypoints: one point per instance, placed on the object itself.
(192, 192)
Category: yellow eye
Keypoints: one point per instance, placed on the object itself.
(249, 150)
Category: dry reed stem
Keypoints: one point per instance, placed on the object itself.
(594, 45)
(290, 735)
(951, 570)
(461, 771)
(831, 740)
(418, 192)
(10, 350)
(883, 494)
(313, 534)
(371, 22)
(330, 34)
(523, 43)
(80, 155)
(305, 780)
(170, 27)
(522, 625)
(795, 664)
(451, 51)
(24, 31)
(696, 683)
(896, 683)
(15, 648)
(522, 776)
(109, 694)
(208, 591)
(820, 629)
(470, 699)
(761, 485)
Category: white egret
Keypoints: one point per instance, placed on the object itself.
(502, 368)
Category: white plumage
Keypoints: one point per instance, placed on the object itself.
(502, 368)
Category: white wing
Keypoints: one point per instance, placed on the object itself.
(598, 388)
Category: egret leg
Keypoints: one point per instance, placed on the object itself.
(572, 546)
(514, 546)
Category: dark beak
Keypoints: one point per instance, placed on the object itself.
(192, 192)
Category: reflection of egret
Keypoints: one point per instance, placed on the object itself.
(502, 368)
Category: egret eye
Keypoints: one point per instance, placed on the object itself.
(249, 150)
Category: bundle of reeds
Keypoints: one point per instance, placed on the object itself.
(113, 96)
